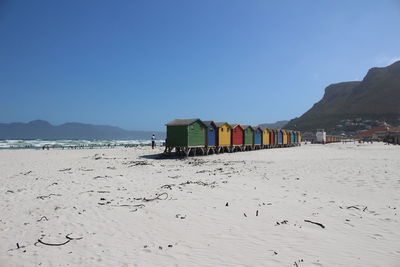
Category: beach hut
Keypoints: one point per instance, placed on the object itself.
(280, 137)
(299, 137)
(186, 135)
(224, 136)
(266, 137)
(258, 133)
(248, 137)
(237, 137)
(284, 138)
(294, 134)
(287, 138)
(293, 138)
(271, 138)
(211, 136)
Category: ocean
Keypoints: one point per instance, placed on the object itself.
(70, 144)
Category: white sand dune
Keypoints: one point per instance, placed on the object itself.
(208, 216)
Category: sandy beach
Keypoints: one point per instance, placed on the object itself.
(314, 205)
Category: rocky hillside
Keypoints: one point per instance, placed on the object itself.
(376, 97)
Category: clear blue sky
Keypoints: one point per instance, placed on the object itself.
(139, 64)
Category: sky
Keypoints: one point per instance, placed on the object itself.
(139, 64)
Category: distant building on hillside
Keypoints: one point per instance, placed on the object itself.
(377, 133)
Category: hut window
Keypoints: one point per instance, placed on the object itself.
(211, 129)
(227, 130)
(192, 127)
(222, 129)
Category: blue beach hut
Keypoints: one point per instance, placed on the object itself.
(257, 136)
(280, 137)
(211, 134)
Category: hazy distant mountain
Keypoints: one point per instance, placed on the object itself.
(376, 97)
(44, 130)
(276, 125)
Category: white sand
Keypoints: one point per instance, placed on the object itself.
(290, 185)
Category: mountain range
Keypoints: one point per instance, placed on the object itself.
(276, 125)
(376, 97)
(40, 129)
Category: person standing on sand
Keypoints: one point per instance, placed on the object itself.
(153, 141)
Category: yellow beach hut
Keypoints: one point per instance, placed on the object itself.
(285, 142)
(266, 138)
(224, 136)
(299, 137)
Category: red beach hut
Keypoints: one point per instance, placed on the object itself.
(237, 135)
(272, 138)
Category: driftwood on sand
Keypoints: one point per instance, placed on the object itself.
(69, 239)
(48, 196)
(158, 197)
(316, 223)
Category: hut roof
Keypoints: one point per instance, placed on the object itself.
(247, 126)
(220, 124)
(208, 123)
(182, 122)
(233, 125)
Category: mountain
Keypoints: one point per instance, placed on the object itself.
(276, 125)
(376, 97)
(40, 129)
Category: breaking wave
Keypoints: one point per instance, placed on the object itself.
(65, 144)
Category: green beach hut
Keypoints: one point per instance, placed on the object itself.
(184, 134)
(248, 136)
